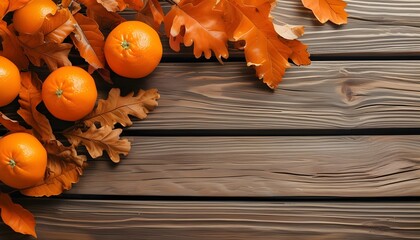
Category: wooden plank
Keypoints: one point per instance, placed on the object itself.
(111, 220)
(375, 28)
(345, 166)
(325, 95)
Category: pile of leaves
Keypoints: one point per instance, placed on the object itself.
(208, 25)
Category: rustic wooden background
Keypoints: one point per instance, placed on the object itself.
(334, 153)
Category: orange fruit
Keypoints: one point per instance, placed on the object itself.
(23, 160)
(30, 18)
(69, 93)
(133, 49)
(9, 81)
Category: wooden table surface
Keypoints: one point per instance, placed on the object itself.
(333, 153)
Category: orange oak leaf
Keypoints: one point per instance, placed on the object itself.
(97, 140)
(300, 54)
(38, 51)
(197, 22)
(58, 26)
(17, 217)
(116, 109)
(58, 152)
(89, 40)
(152, 14)
(60, 176)
(264, 49)
(29, 98)
(12, 125)
(324, 10)
(105, 19)
(11, 47)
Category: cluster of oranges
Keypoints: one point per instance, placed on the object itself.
(132, 50)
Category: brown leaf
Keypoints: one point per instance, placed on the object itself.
(105, 19)
(16, 217)
(136, 4)
(60, 175)
(11, 47)
(38, 51)
(12, 125)
(264, 49)
(116, 109)
(101, 139)
(324, 10)
(89, 40)
(300, 54)
(29, 98)
(58, 152)
(58, 26)
(203, 24)
(151, 14)
(289, 32)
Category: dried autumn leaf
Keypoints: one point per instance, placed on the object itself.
(58, 152)
(16, 217)
(289, 32)
(300, 54)
(152, 14)
(113, 5)
(89, 40)
(38, 51)
(58, 26)
(116, 108)
(264, 49)
(136, 4)
(324, 10)
(101, 139)
(105, 19)
(203, 24)
(60, 175)
(11, 47)
(29, 98)
(12, 125)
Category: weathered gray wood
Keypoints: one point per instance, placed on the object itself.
(375, 28)
(346, 166)
(87, 220)
(325, 95)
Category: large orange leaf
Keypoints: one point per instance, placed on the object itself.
(29, 98)
(117, 109)
(11, 47)
(203, 25)
(17, 217)
(264, 49)
(101, 139)
(38, 51)
(151, 14)
(324, 10)
(89, 40)
(58, 26)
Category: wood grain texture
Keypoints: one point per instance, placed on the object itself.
(375, 28)
(345, 166)
(325, 95)
(112, 220)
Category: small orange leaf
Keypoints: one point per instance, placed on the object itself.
(204, 26)
(105, 19)
(89, 40)
(58, 26)
(300, 54)
(113, 5)
(29, 98)
(11, 47)
(17, 217)
(116, 108)
(289, 32)
(38, 51)
(324, 10)
(12, 125)
(151, 14)
(101, 139)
